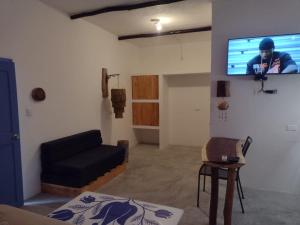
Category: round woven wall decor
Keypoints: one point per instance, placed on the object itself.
(38, 94)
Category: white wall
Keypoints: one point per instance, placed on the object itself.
(65, 58)
(273, 160)
(163, 112)
(181, 58)
(189, 109)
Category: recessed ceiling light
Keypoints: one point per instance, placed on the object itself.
(164, 20)
(158, 26)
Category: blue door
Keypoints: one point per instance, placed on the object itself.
(11, 188)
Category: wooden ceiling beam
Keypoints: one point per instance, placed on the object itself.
(123, 8)
(192, 30)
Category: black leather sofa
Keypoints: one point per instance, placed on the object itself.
(77, 160)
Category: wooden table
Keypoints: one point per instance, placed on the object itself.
(232, 170)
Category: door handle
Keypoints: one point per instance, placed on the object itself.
(16, 136)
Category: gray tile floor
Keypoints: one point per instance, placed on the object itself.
(169, 177)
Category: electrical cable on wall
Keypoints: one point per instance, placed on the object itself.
(180, 47)
(262, 89)
(181, 51)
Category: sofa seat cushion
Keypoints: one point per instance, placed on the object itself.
(82, 168)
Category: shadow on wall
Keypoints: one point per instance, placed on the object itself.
(106, 120)
(147, 136)
(188, 80)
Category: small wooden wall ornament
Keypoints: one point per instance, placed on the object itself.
(223, 88)
(223, 91)
(38, 94)
(223, 105)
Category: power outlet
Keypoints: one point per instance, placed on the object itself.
(28, 112)
(292, 127)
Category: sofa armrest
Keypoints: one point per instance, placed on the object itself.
(16, 216)
(124, 144)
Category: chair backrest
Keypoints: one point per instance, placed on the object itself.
(246, 145)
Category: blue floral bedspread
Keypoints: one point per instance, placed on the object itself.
(91, 208)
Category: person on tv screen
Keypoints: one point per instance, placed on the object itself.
(270, 61)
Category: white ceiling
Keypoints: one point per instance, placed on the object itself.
(176, 16)
(77, 6)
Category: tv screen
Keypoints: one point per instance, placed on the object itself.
(264, 55)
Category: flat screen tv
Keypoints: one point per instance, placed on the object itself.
(265, 55)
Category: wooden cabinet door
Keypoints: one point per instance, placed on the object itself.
(145, 87)
(146, 114)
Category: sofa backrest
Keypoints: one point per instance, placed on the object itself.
(66, 147)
